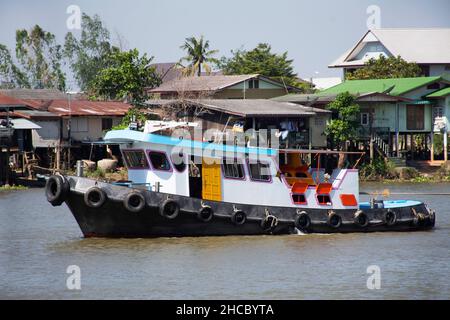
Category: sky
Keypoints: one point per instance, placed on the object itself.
(314, 33)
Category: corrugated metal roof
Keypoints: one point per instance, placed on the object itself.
(88, 108)
(24, 124)
(259, 108)
(34, 94)
(7, 101)
(394, 87)
(440, 93)
(30, 114)
(203, 83)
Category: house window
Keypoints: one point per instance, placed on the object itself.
(135, 159)
(365, 118)
(106, 123)
(79, 125)
(259, 171)
(159, 161)
(233, 170)
(253, 84)
(415, 115)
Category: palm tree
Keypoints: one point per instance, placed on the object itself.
(198, 55)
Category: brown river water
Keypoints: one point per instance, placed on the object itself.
(39, 242)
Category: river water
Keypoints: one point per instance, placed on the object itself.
(39, 242)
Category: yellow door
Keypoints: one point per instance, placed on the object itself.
(211, 187)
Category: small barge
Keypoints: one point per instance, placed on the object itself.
(182, 187)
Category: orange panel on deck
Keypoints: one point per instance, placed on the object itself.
(348, 200)
(324, 188)
(299, 187)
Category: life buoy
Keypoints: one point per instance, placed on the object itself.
(334, 220)
(95, 197)
(269, 223)
(134, 202)
(302, 221)
(169, 209)
(238, 217)
(56, 190)
(205, 214)
(361, 219)
(432, 218)
(390, 217)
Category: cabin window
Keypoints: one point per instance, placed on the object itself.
(365, 118)
(299, 198)
(159, 161)
(135, 159)
(415, 117)
(107, 124)
(232, 169)
(259, 171)
(178, 161)
(324, 199)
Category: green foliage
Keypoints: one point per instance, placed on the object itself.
(96, 174)
(345, 127)
(385, 68)
(89, 54)
(198, 55)
(12, 188)
(38, 58)
(378, 169)
(126, 78)
(133, 113)
(262, 61)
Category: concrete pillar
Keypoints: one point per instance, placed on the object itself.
(432, 146)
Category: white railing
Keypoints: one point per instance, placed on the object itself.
(383, 146)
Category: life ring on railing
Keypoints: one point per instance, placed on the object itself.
(269, 223)
(238, 217)
(95, 197)
(56, 190)
(302, 221)
(169, 209)
(390, 217)
(134, 202)
(334, 220)
(205, 214)
(361, 219)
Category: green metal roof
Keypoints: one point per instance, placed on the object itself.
(394, 87)
(440, 93)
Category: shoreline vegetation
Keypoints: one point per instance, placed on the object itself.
(386, 172)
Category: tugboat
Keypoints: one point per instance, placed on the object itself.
(182, 187)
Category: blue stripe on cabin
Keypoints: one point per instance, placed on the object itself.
(131, 135)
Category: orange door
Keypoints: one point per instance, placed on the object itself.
(211, 180)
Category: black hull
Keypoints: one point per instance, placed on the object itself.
(112, 219)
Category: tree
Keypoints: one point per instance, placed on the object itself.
(10, 74)
(198, 55)
(262, 61)
(37, 64)
(126, 78)
(344, 126)
(385, 68)
(89, 54)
